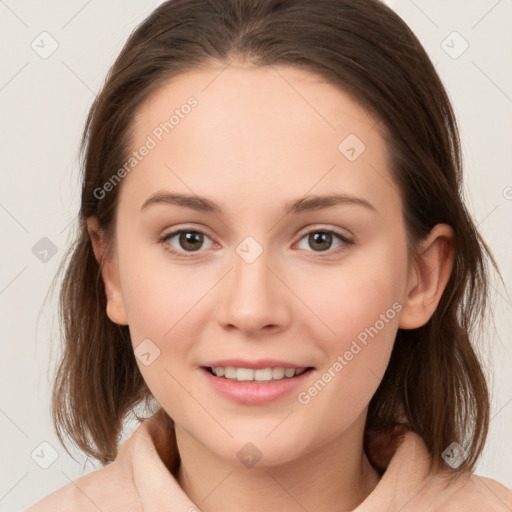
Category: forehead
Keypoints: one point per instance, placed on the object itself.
(262, 98)
(275, 130)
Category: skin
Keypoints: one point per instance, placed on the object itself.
(259, 138)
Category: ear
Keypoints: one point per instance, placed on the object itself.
(109, 272)
(428, 276)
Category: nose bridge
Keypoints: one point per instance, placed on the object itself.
(251, 298)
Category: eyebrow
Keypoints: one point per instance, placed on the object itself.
(301, 205)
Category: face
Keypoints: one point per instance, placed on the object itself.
(262, 273)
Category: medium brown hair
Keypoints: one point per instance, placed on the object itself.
(434, 377)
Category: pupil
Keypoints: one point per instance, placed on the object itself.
(322, 238)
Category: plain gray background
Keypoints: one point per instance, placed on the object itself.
(44, 100)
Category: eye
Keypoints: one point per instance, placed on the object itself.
(186, 241)
(321, 240)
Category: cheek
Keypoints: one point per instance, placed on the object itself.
(356, 360)
(363, 320)
(357, 296)
(158, 296)
(162, 304)
(360, 304)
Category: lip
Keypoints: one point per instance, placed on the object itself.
(254, 365)
(255, 393)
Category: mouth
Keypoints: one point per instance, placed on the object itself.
(259, 375)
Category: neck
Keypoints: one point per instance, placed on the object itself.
(334, 477)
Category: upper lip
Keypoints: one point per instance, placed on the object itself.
(260, 363)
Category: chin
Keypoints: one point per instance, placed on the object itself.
(259, 449)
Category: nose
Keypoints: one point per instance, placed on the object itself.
(253, 298)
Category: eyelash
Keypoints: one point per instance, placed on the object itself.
(183, 254)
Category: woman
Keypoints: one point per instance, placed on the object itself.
(274, 249)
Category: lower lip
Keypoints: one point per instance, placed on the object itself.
(255, 393)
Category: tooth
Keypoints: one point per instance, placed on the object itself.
(277, 373)
(244, 374)
(230, 372)
(260, 375)
(289, 372)
(263, 374)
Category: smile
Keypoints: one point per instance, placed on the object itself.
(255, 386)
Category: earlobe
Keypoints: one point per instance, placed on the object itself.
(109, 272)
(428, 277)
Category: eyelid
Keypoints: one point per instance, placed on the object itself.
(179, 229)
(328, 229)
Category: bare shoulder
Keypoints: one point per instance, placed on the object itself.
(502, 493)
(479, 493)
(104, 489)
